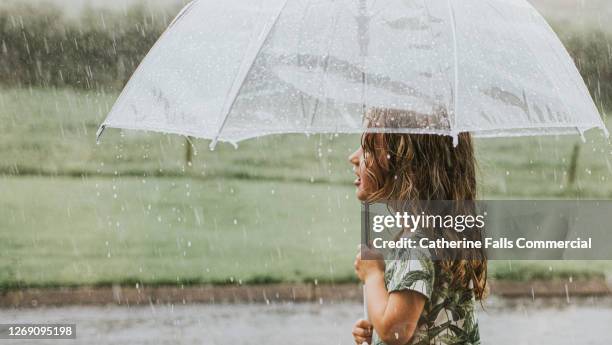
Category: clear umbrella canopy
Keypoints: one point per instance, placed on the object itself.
(239, 69)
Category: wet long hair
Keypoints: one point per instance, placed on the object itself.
(420, 167)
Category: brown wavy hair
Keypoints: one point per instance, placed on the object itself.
(420, 167)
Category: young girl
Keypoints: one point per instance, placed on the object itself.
(417, 300)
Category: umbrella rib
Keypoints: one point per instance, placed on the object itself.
(544, 71)
(363, 9)
(451, 13)
(427, 14)
(179, 16)
(299, 56)
(237, 86)
(326, 64)
(182, 13)
(579, 84)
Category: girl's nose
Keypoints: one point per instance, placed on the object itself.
(354, 158)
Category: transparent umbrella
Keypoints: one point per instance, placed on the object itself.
(239, 69)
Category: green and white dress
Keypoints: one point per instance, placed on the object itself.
(448, 316)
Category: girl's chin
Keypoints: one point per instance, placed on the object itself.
(361, 194)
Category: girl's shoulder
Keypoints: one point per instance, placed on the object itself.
(410, 269)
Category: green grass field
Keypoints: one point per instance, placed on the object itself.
(277, 209)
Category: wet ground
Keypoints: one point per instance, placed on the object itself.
(505, 322)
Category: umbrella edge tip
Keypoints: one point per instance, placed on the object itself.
(99, 133)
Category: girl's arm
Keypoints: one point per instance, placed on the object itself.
(394, 315)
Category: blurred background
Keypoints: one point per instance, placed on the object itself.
(150, 209)
(145, 209)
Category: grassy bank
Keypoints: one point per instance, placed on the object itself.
(98, 231)
(277, 209)
(66, 231)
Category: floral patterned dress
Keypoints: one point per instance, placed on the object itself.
(449, 316)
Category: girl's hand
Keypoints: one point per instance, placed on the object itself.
(372, 263)
(362, 332)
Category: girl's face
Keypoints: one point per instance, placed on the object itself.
(362, 182)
